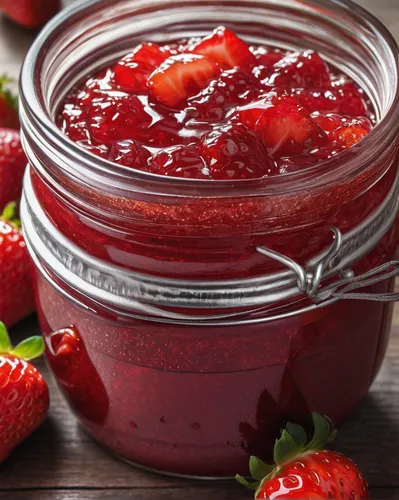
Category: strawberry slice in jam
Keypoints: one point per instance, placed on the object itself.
(232, 88)
(216, 108)
(180, 77)
(284, 126)
(131, 73)
(225, 48)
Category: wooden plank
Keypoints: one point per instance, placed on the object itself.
(219, 491)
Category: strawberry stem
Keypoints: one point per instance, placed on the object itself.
(10, 214)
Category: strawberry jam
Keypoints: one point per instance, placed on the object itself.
(217, 109)
(179, 161)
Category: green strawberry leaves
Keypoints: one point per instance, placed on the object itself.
(285, 448)
(5, 342)
(259, 469)
(10, 214)
(298, 434)
(28, 349)
(292, 443)
(324, 432)
(10, 98)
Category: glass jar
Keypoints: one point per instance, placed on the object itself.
(199, 316)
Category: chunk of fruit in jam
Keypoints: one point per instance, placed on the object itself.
(216, 108)
(300, 70)
(129, 153)
(232, 88)
(132, 71)
(339, 100)
(284, 126)
(116, 116)
(225, 48)
(180, 77)
(234, 152)
(348, 136)
(180, 161)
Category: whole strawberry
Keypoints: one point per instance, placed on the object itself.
(16, 294)
(24, 397)
(12, 166)
(8, 105)
(30, 13)
(302, 470)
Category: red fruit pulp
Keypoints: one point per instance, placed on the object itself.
(196, 119)
(162, 96)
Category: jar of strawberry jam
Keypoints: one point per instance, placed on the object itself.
(213, 222)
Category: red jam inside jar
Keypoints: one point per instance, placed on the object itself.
(192, 153)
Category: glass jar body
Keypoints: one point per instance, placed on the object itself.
(197, 399)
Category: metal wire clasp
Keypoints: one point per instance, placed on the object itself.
(308, 280)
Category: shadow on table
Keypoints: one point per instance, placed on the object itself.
(370, 436)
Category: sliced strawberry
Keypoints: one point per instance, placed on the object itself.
(132, 71)
(301, 70)
(327, 121)
(265, 62)
(284, 126)
(180, 77)
(224, 47)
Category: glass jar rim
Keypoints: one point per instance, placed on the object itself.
(349, 162)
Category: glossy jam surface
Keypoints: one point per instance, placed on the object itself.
(217, 109)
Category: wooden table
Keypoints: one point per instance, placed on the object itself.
(60, 462)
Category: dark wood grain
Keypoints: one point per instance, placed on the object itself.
(219, 492)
